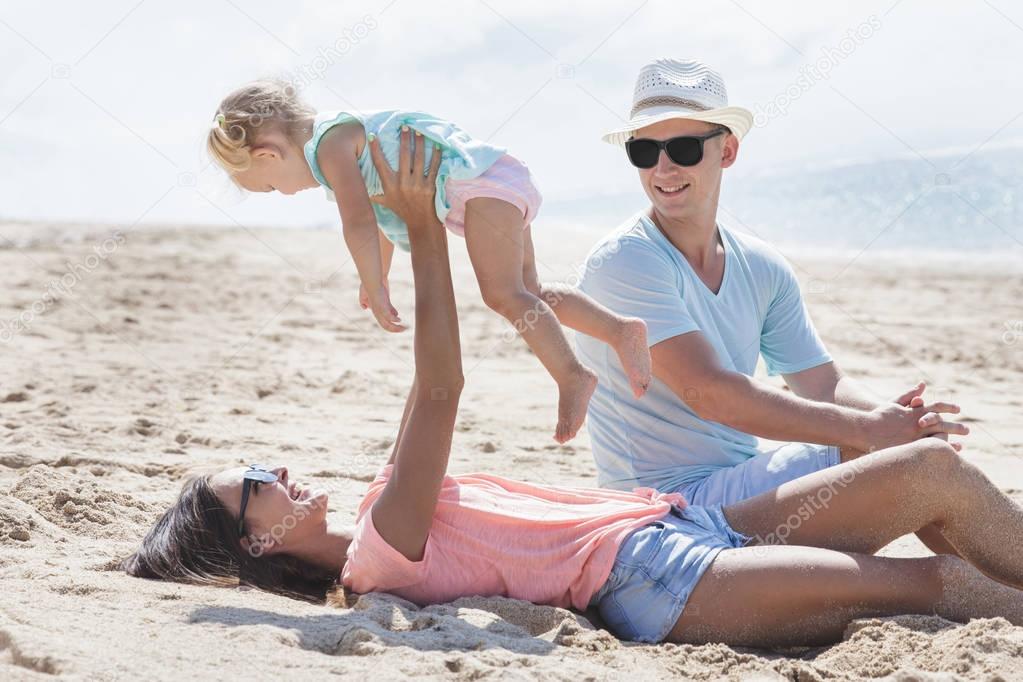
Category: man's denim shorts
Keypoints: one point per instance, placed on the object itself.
(657, 568)
(761, 473)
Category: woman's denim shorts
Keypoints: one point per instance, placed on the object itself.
(657, 568)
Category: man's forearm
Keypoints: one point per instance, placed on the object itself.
(850, 393)
(753, 407)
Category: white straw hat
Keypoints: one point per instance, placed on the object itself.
(680, 88)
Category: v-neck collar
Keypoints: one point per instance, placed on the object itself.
(725, 244)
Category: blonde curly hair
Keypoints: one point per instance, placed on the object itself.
(246, 111)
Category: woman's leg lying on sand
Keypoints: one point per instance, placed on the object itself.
(833, 521)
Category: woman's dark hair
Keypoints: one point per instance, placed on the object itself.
(196, 541)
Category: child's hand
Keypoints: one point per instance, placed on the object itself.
(379, 303)
(364, 297)
(364, 302)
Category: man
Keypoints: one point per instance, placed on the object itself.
(714, 300)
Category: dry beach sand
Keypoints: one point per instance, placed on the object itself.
(171, 348)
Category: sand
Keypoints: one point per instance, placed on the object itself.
(129, 358)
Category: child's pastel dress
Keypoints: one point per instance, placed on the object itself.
(469, 168)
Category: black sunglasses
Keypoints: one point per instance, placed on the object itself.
(686, 150)
(256, 474)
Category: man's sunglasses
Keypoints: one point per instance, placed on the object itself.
(686, 150)
(256, 474)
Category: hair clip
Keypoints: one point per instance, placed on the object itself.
(221, 121)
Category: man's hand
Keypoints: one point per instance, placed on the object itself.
(914, 398)
(896, 424)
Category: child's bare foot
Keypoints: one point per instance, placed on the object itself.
(573, 399)
(634, 354)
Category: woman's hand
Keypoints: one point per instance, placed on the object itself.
(403, 514)
(410, 190)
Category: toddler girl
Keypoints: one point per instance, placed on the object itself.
(268, 139)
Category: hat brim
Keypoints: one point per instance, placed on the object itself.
(738, 120)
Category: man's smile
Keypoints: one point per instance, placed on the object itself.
(671, 190)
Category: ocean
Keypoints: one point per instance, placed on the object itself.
(946, 202)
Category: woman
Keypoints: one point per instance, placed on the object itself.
(790, 567)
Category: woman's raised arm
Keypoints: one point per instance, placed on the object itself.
(404, 512)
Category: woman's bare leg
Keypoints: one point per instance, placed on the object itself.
(863, 504)
(494, 239)
(791, 596)
(626, 335)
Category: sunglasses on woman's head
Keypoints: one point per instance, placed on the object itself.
(686, 150)
(251, 479)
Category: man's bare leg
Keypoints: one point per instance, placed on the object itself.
(929, 535)
(863, 504)
(791, 596)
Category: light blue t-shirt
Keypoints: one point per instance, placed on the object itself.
(657, 440)
(462, 157)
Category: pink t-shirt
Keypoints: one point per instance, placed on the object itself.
(494, 536)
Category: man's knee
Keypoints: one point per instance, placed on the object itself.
(933, 458)
(936, 450)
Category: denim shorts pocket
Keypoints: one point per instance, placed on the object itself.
(641, 546)
(642, 606)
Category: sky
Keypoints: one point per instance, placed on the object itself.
(104, 105)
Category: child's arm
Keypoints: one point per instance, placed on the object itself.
(386, 256)
(404, 512)
(338, 160)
